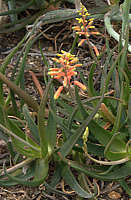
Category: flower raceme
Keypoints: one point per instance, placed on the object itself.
(84, 27)
(66, 71)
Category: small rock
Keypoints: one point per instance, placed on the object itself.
(114, 195)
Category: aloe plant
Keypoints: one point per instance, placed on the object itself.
(68, 130)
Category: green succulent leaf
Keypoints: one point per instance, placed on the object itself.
(72, 182)
(31, 124)
(125, 186)
(42, 122)
(15, 129)
(53, 190)
(56, 176)
(41, 169)
(26, 150)
(25, 180)
(129, 117)
(2, 115)
(103, 136)
(51, 124)
(117, 173)
(91, 89)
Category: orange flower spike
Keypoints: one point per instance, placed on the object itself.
(82, 86)
(58, 92)
(66, 71)
(84, 24)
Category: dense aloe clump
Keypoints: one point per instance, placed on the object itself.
(80, 130)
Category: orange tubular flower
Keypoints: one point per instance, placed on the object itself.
(84, 27)
(96, 50)
(83, 87)
(66, 71)
(57, 94)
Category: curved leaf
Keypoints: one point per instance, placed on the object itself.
(41, 122)
(41, 169)
(125, 186)
(31, 124)
(91, 89)
(26, 182)
(72, 182)
(68, 145)
(51, 124)
(26, 150)
(129, 117)
(117, 173)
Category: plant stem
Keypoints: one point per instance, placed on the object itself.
(21, 93)
(17, 166)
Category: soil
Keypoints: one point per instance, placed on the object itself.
(59, 36)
